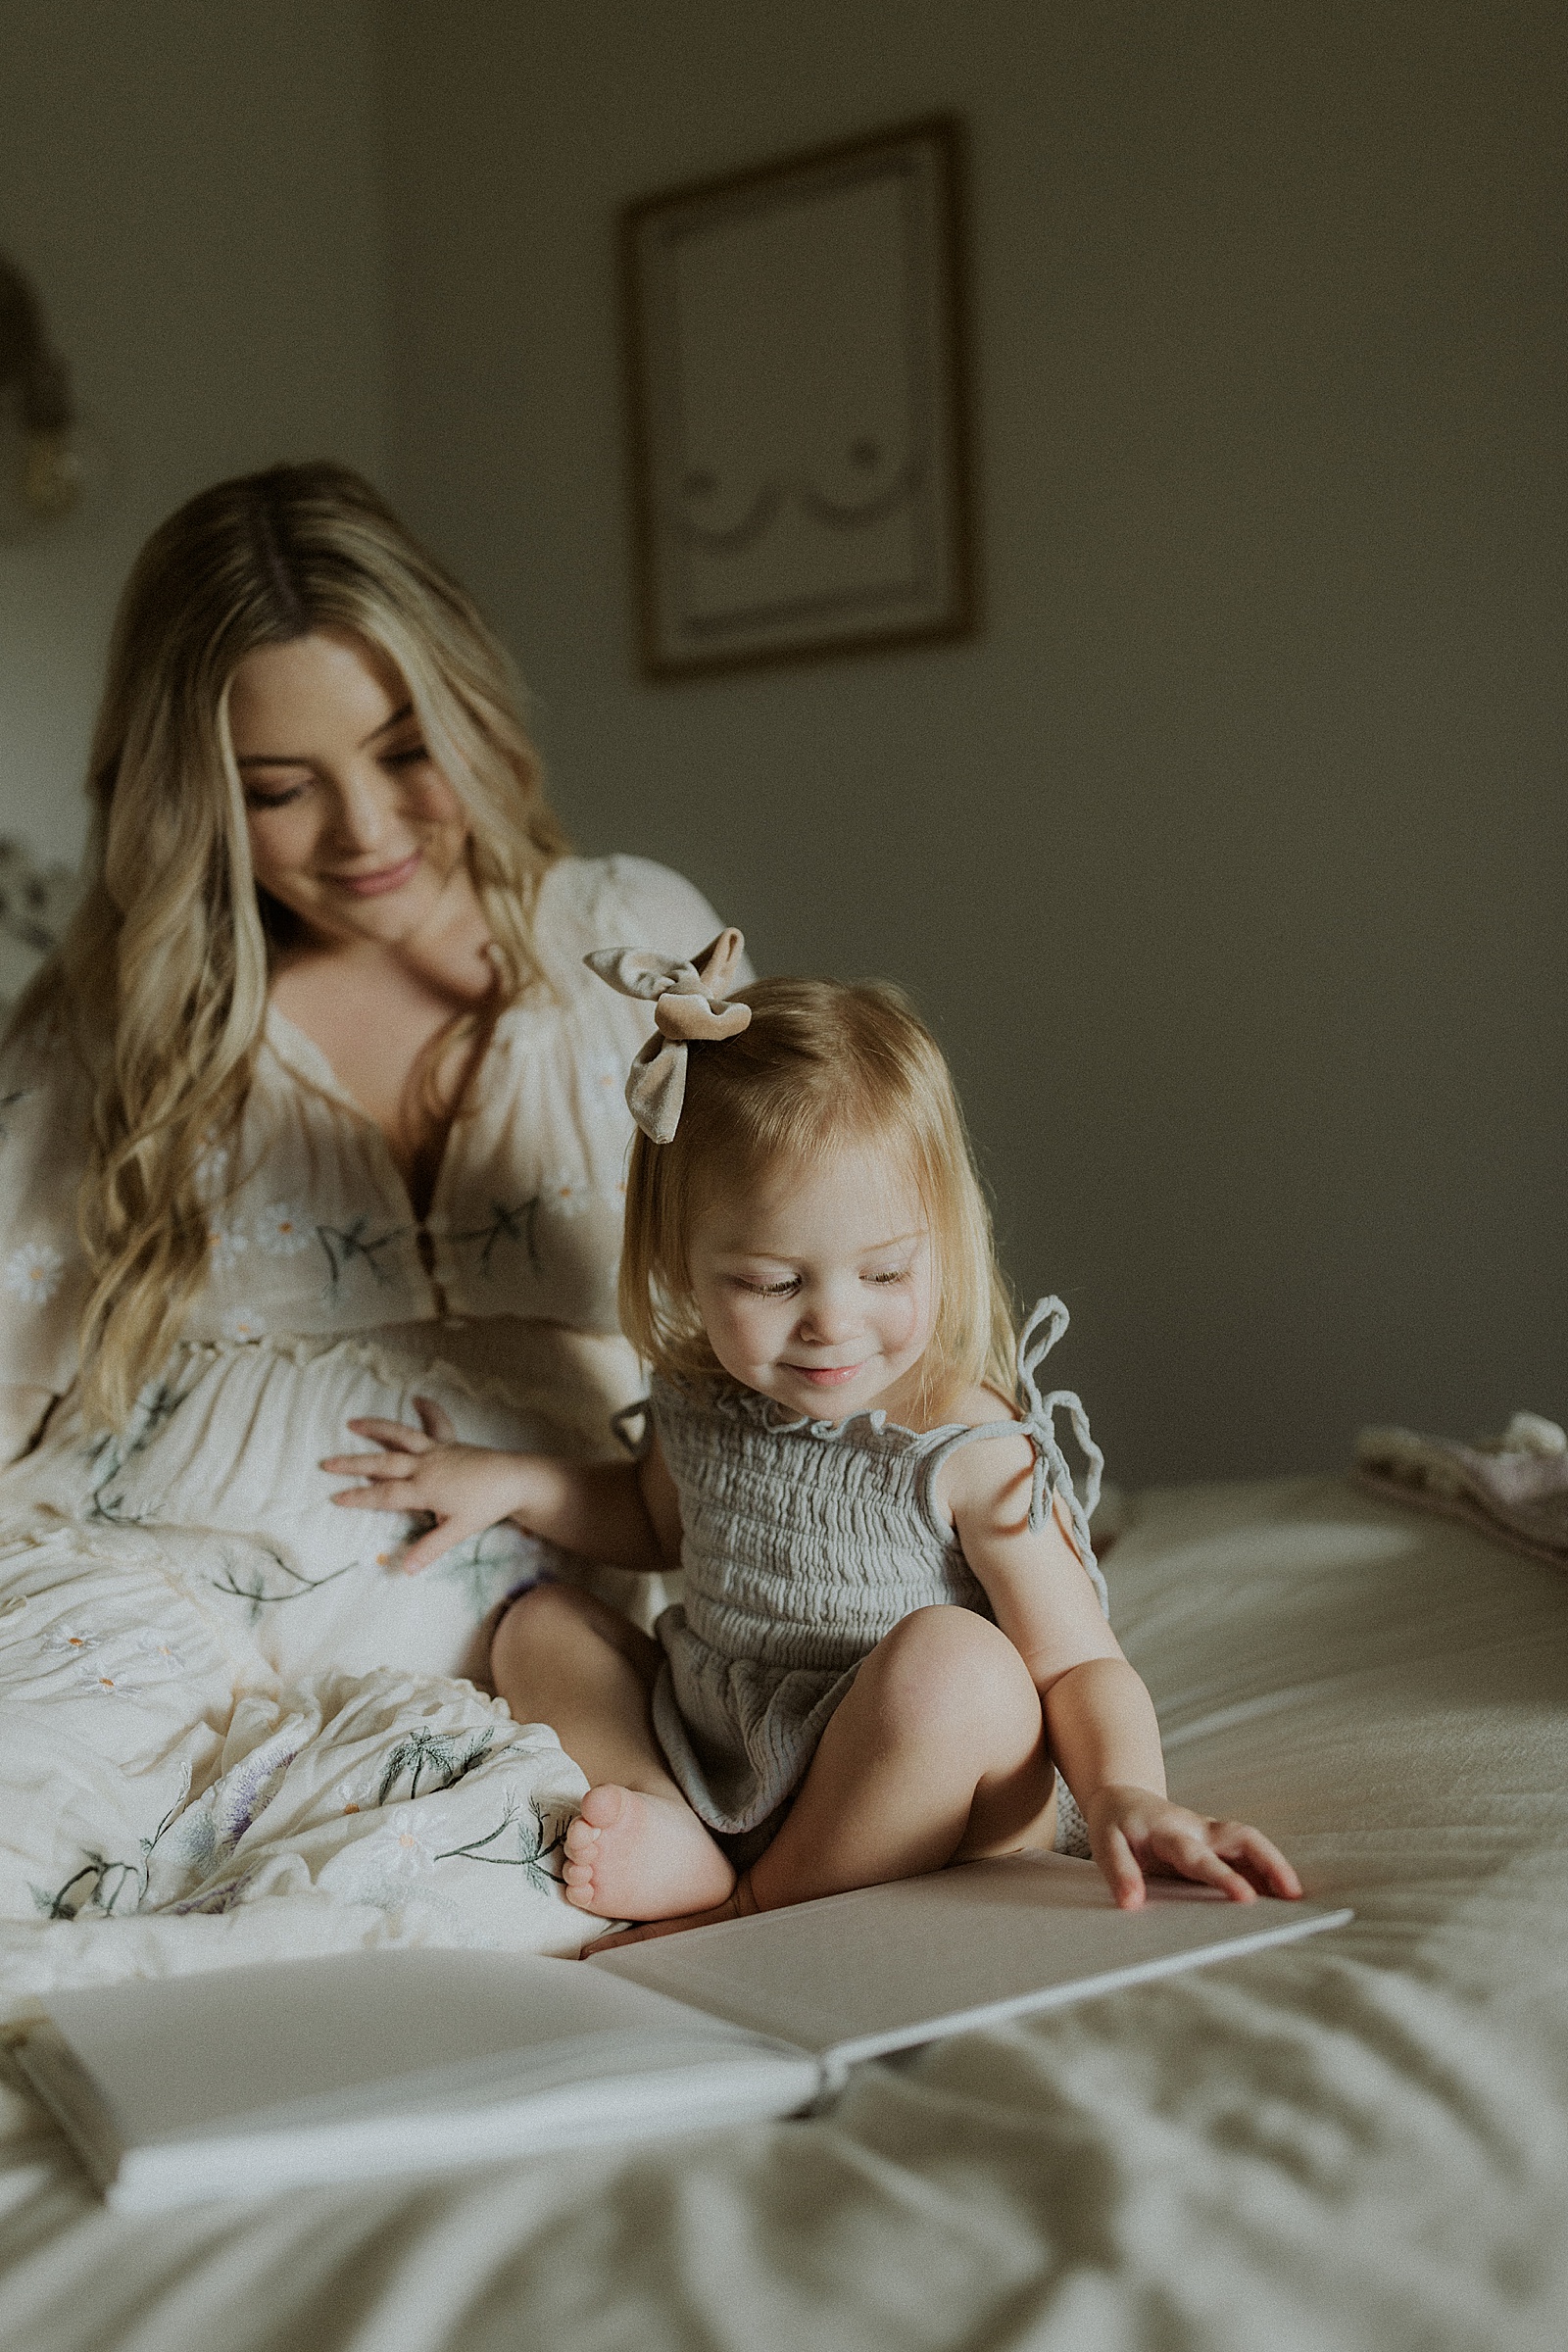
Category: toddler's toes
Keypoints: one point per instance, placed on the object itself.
(602, 1807)
(582, 1839)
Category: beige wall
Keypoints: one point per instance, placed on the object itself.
(1229, 858)
(194, 185)
(1229, 861)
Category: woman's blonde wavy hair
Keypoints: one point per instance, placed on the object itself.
(824, 1065)
(163, 974)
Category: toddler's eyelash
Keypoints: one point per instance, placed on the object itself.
(784, 1290)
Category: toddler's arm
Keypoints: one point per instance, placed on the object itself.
(1099, 1720)
(624, 1513)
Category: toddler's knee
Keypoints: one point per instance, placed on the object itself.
(541, 1617)
(942, 1668)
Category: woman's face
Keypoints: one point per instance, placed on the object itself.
(353, 827)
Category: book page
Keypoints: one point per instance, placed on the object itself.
(263, 2047)
(858, 1975)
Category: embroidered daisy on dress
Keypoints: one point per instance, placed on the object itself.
(69, 1642)
(282, 1230)
(243, 1324)
(79, 1650)
(603, 1088)
(211, 1173)
(567, 1195)
(384, 1868)
(160, 1654)
(33, 1272)
(408, 1853)
(224, 1245)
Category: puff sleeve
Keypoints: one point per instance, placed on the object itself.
(641, 904)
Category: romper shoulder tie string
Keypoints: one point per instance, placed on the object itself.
(1037, 1423)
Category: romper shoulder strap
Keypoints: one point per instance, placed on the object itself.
(1037, 1423)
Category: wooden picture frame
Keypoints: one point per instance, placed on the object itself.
(797, 407)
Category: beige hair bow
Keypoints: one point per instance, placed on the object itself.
(688, 1001)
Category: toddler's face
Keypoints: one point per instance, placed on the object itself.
(816, 1286)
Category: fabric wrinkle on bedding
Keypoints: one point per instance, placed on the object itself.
(1322, 2150)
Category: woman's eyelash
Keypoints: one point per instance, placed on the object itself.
(414, 756)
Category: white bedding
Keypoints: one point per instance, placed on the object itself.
(1361, 2141)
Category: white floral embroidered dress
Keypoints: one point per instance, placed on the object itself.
(327, 1299)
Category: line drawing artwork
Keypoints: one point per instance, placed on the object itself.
(797, 414)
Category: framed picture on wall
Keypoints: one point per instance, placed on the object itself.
(796, 407)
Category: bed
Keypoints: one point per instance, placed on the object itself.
(1358, 2141)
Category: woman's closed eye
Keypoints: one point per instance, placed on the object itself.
(413, 755)
(257, 798)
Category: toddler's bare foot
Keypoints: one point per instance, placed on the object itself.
(740, 1903)
(632, 1856)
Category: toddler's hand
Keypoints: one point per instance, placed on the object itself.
(1136, 1834)
(462, 1489)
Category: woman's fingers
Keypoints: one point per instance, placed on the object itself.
(429, 1546)
(436, 1423)
(370, 1465)
(395, 1434)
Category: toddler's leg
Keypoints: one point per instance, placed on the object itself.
(636, 1850)
(936, 1754)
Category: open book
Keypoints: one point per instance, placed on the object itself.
(251, 2080)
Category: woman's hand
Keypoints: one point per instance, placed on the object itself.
(1136, 1834)
(462, 1489)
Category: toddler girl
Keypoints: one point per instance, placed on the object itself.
(893, 1631)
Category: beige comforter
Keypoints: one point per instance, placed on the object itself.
(1359, 2143)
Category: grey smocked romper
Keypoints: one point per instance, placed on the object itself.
(803, 1544)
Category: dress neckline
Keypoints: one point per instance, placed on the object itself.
(299, 1053)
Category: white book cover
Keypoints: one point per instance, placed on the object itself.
(252, 2080)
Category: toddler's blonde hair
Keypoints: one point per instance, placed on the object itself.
(825, 1064)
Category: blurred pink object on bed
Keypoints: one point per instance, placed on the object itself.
(1514, 1487)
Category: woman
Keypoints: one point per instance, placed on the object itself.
(316, 1112)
